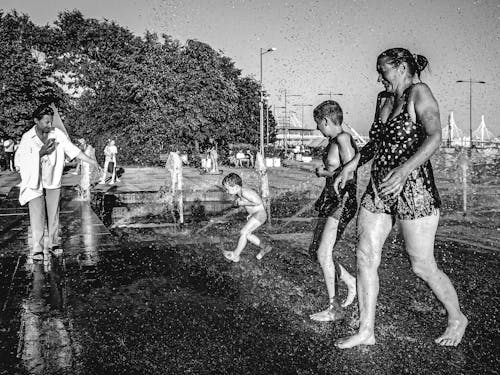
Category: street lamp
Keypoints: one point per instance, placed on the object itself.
(330, 94)
(261, 102)
(470, 81)
(286, 121)
(266, 100)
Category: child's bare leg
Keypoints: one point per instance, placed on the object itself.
(325, 258)
(245, 232)
(350, 282)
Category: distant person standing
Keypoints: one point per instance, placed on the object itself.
(41, 162)
(110, 152)
(89, 174)
(8, 146)
(113, 151)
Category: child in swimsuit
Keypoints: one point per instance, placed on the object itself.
(338, 209)
(257, 216)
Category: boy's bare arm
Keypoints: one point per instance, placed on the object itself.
(249, 198)
(346, 151)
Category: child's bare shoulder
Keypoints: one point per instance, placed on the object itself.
(343, 138)
(247, 193)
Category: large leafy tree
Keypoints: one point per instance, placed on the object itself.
(151, 94)
(24, 81)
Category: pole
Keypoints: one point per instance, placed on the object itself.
(286, 130)
(286, 120)
(267, 124)
(261, 110)
(470, 81)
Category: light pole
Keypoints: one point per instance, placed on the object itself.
(261, 102)
(330, 94)
(266, 98)
(470, 81)
(286, 120)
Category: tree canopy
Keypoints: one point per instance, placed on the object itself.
(151, 94)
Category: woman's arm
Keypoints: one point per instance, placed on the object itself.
(425, 110)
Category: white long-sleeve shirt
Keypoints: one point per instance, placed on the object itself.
(45, 172)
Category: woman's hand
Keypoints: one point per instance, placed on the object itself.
(393, 183)
(346, 174)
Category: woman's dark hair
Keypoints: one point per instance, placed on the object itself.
(41, 111)
(330, 109)
(396, 56)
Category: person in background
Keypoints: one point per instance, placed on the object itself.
(8, 146)
(41, 162)
(251, 159)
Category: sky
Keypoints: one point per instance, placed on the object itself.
(327, 46)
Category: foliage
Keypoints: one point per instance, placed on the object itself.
(151, 94)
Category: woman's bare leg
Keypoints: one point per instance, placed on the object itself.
(419, 240)
(373, 230)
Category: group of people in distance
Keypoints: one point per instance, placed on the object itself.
(404, 135)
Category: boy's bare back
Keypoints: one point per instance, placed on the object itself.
(251, 200)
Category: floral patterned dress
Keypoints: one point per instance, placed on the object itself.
(396, 141)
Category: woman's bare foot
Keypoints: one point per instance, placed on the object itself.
(230, 255)
(350, 282)
(360, 338)
(454, 332)
(328, 315)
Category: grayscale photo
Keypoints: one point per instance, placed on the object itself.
(249, 187)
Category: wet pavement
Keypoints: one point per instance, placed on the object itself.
(160, 301)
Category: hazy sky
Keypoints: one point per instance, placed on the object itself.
(327, 45)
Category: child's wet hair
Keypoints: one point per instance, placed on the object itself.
(232, 179)
(329, 109)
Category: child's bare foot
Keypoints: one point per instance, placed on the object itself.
(350, 282)
(230, 255)
(328, 315)
(360, 338)
(454, 332)
(263, 252)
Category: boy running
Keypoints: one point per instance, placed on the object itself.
(337, 209)
(257, 216)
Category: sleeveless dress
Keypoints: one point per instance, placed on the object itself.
(329, 204)
(395, 142)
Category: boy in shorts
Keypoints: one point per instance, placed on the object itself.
(337, 209)
(257, 216)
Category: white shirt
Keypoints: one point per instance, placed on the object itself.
(45, 172)
(112, 153)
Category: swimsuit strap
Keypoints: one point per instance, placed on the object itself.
(406, 95)
(377, 109)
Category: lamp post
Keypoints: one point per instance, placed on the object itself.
(261, 102)
(286, 119)
(330, 94)
(470, 81)
(266, 98)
